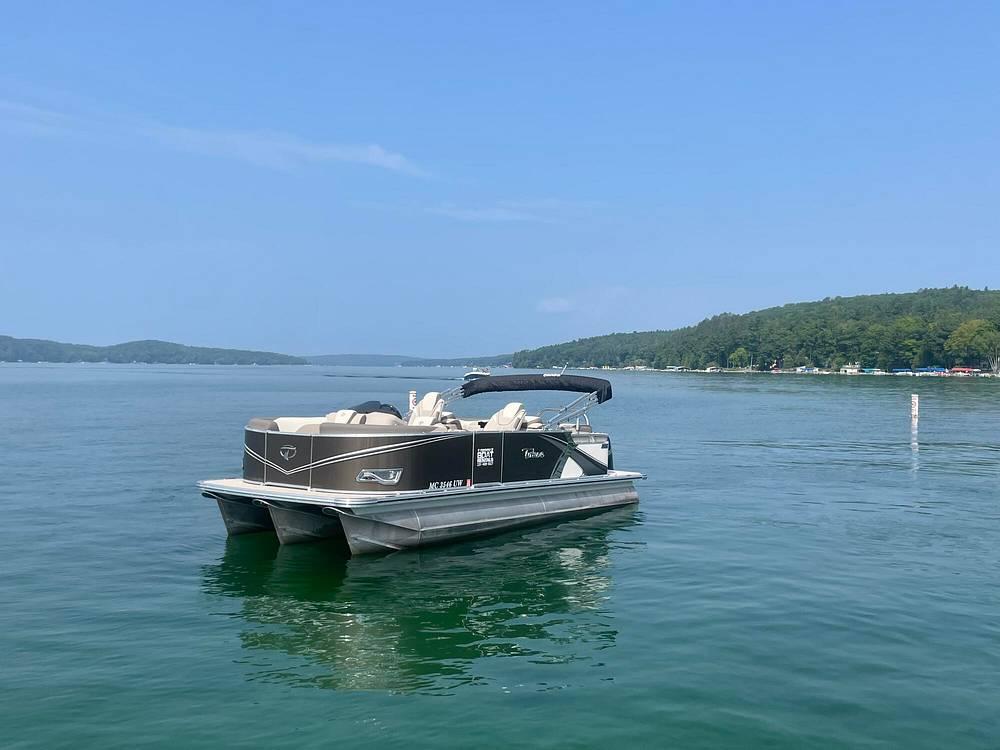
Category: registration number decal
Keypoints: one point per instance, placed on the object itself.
(449, 484)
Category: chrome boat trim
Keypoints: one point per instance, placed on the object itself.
(347, 499)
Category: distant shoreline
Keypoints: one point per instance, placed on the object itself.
(170, 364)
(135, 352)
(796, 371)
(664, 371)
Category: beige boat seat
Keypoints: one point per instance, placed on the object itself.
(427, 411)
(329, 428)
(262, 423)
(508, 418)
(385, 420)
(532, 423)
(297, 424)
(345, 416)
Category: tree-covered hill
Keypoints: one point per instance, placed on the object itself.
(150, 352)
(929, 327)
(483, 360)
(391, 360)
(359, 360)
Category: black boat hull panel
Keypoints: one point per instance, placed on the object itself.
(429, 460)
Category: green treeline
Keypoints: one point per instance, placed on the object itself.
(391, 360)
(919, 329)
(148, 352)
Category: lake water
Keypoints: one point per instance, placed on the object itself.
(802, 571)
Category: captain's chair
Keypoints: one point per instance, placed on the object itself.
(508, 418)
(428, 410)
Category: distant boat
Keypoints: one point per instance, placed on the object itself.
(477, 372)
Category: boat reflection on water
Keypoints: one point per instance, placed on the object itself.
(427, 620)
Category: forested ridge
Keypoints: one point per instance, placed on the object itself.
(392, 360)
(929, 327)
(149, 352)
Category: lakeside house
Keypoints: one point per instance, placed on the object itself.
(852, 368)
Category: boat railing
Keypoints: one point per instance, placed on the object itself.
(451, 394)
(580, 418)
(572, 410)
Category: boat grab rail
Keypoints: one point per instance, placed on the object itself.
(556, 409)
(572, 410)
(576, 408)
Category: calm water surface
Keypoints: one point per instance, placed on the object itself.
(802, 571)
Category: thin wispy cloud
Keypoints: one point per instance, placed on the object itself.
(25, 119)
(277, 150)
(263, 148)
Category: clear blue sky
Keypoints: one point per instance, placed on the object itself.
(465, 178)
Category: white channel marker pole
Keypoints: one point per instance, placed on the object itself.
(914, 407)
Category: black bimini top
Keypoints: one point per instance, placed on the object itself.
(501, 383)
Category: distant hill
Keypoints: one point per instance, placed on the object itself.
(360, 360)
(392, 360)
(148, 352)
(488, 360)
(929, 327)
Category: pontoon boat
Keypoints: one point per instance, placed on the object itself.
(387, 483)
(476, 372)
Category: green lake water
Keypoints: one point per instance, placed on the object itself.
(802, 570)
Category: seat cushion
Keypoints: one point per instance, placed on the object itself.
(508, 418)
(262, 423)
(342, 416)
(380, 418)
(329, 428)
(428, 410)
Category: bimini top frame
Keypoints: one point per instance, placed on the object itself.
(594, 390)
